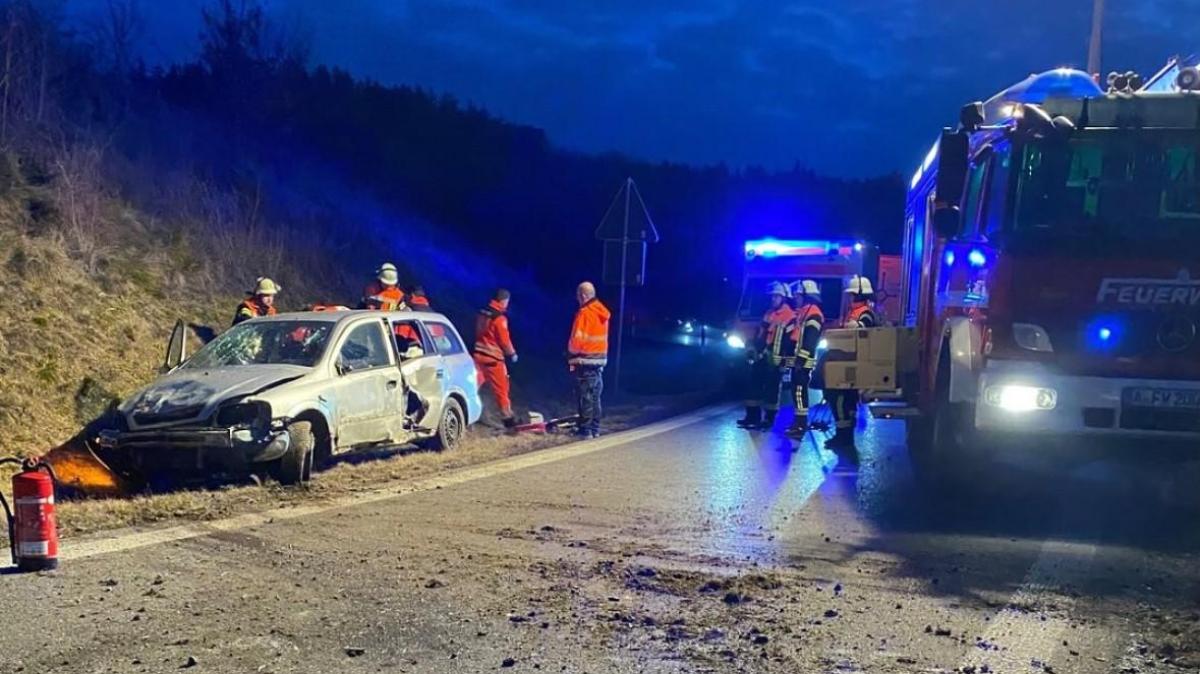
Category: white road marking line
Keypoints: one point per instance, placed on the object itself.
(139, 539)
(1024, 630)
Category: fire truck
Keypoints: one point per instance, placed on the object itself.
(831, 263)
(1051, 274)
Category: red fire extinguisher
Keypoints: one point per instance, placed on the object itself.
(32, 526)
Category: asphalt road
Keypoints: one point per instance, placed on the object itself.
(689, 545)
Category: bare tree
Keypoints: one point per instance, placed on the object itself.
(116, 31)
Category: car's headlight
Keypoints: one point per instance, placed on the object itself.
(823, 345)
(254, 414)
(735, 342)
(1020, 398)
(1032, 337)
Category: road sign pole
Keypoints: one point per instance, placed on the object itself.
(624, 278)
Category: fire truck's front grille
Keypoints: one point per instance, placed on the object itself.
(1099, 417)
(1146, 419)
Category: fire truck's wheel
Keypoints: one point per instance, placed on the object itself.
(295, 466)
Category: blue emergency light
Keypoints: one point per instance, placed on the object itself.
(784, 247)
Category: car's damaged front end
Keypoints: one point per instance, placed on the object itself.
(234, 439)
(200, 424)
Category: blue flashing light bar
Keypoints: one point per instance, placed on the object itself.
(788, 247)
(977, 258)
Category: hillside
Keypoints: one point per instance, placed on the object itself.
(130, 198)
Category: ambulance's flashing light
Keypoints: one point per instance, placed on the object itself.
(769, 248)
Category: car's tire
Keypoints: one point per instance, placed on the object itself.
(295, 466)
(451, 427)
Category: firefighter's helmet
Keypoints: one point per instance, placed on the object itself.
(806, 289)
(265, 286)
(388, 275)
(777, 288)
(860, 285)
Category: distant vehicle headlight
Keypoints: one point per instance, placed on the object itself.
(1016, 398)
(688, 327)
(823, 345)
(735, 342)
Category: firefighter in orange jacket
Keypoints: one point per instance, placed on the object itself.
(418, 300)
(493, 345)
(383, 293)
(260, 303)
(844, 404)
(806, 333)
(587, 354)
(773, 347)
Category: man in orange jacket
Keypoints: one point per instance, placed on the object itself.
(587, 354)
(418, 300)
(492, 345)
(384, 293)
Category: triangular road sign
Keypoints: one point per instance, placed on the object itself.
(627, 218)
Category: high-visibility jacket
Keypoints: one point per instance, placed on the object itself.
(806, 332)
(384, 298)
(588, 344)
(776, 333)
(252, 308)
(492, 339)
(419, 303)
(861, 315)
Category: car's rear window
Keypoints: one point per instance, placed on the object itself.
(445, 339)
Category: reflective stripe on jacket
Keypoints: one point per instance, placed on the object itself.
(492, 338)
(376, 296)
(588, 344)
(252, 308)
(806, 331)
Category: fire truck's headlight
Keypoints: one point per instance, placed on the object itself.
(735, 342)
(1016, 398)
(1032, 337)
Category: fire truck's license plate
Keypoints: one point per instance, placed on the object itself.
(1188, 399)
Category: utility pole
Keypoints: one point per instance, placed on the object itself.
(1094, 46)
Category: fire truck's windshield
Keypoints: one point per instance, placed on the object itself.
(1111, 186)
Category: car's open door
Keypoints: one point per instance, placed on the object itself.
(176, 347)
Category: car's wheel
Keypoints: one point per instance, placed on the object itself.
(295, 466)
(451, 427)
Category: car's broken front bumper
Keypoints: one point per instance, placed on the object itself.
(200, 450)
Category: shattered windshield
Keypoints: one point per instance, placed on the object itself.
(1112, 185)
(265, 343)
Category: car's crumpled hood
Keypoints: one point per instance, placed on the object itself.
(202, 390)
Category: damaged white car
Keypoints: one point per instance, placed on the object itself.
(286, 392)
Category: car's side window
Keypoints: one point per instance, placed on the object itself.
(364, 348)
(445, 339)
(411, 341)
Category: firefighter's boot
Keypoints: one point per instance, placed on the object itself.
(799, 426)
(752, 419)
(768, 421)
(510, 424)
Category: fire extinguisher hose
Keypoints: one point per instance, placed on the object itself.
(8, 513)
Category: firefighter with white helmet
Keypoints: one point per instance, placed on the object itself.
(772, 346)
(844, 404)
(806, 334)
(261, 301)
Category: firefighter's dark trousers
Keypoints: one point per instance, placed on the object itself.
(801, 378)
(765, 379)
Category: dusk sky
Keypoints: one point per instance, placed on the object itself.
(846, 87)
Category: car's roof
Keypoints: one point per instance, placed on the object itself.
(339, 316)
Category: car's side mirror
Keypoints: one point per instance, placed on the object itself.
(176, 347)
(413, 351)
